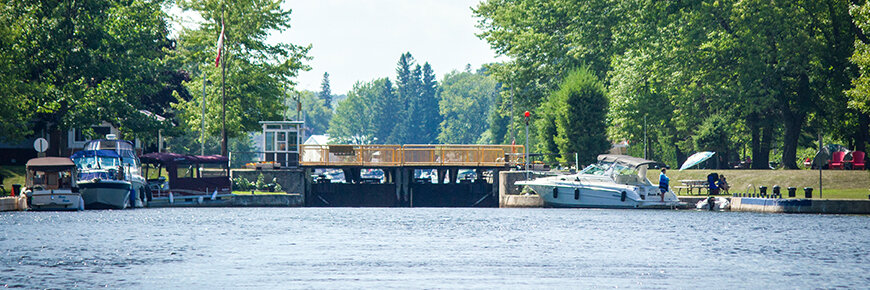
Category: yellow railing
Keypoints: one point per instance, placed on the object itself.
(411, 155)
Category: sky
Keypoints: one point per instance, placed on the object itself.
(356, 40)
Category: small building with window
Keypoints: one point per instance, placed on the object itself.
(281, 140)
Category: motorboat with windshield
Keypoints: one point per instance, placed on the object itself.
(109, 174)
(51, 185)
(616, 181)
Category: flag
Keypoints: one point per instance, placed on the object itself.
(220, 46)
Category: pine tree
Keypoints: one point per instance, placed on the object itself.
(430, 117)
(407, 92)
(385, 116)
(325, 92)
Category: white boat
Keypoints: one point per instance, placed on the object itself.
(109, 175)
(51, 185)
(717, 203)
(616, 181)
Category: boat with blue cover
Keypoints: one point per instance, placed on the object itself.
(109, 175)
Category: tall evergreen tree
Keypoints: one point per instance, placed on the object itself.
(407, 91)
(384, 116)
(430, 117)
(325, 92)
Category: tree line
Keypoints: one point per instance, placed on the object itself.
(724, 76)
(74, 64)
(417, 109)
(747, 79)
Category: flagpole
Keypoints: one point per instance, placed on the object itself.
(223, 96)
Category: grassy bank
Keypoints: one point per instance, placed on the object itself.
(837, 184)
(12, 175)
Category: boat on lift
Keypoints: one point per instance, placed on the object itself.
(616, 181)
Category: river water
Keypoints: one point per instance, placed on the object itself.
(431, 248)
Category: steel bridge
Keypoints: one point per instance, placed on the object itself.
(478, 156)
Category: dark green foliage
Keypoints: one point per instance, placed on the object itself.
(580, 106)
(428, 117)
(72, 64)
(773, 68)
(325, 92)
(466, 103)
(257, 71)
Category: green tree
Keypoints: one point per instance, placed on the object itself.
(581, 109)
(544, 41)
(325, 92)
(257, 71)
(428, 117)
(407, 91)
(352, 123)
(72, 64)
(545, 123)
(385, 109)
(466, 101)
(316, 114)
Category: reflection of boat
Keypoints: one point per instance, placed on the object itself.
(616, 181)
(109, 175)
(192, 179)
(50, 184)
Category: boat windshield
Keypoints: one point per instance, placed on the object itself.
(622, 170)
(596, 169)
(97, 162)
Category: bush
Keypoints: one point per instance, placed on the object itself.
(261, 183)
(242, 184)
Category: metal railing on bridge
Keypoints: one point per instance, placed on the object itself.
(412, 155)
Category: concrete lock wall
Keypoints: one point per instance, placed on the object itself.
(510, 195)
(823, 206)
(291, 180)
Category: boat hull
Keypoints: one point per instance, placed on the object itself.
(56, 201)
(592, 196)
(106, 194)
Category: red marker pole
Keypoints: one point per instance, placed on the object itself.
(527, 115)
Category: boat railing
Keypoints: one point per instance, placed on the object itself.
(102, 175)
(412, 155)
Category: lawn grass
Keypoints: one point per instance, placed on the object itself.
(836, 184)
(12, 174)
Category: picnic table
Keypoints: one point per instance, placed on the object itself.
(690, 185)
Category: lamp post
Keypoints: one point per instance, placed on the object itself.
(527, 115)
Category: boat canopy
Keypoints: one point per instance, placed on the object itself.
(109, 144)
(175, 158)
(626, 160)
(50, 164)
(95, 153)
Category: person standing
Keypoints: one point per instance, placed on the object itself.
(663, 182)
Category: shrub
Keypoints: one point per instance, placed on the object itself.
(261, 183)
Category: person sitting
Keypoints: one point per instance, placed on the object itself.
(712, 178)
(723, 184)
